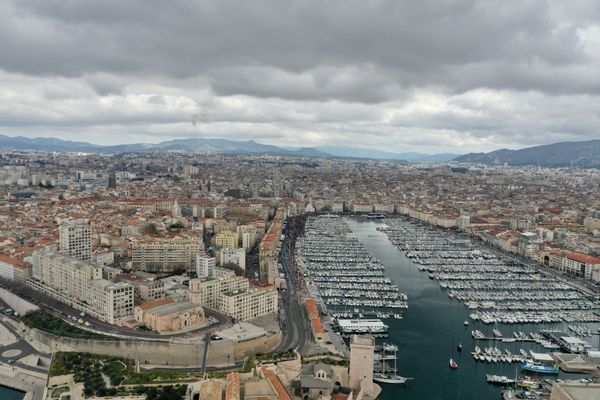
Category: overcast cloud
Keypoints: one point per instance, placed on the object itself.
(427, 75)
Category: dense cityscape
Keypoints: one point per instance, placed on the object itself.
(243, 274)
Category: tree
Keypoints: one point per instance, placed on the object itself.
(233, 267)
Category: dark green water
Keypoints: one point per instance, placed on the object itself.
(10, 394)
(432, 327)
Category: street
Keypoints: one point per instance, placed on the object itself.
(295, 326)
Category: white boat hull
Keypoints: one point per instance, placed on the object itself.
(390, 379)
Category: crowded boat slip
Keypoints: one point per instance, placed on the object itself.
(496, 288)
(350, 282)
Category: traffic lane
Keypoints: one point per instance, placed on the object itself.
(67, 313)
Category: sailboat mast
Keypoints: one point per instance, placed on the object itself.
(383, 359)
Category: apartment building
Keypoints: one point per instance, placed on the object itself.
(151, 290)
(14, 270)
(205, 265)
(359, 207)
(249, 303)
(75, 239)
(206, 291)
(226, 240)
(579, 264)
(80, 285)
(165, 254)
(247, 235)
(235, 256)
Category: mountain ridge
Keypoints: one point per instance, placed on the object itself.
(584, 154)
(213, 146)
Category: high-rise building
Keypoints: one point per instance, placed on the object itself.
(362, 350)
(112, 180)
(205, 265)
(75, 239)
(165, 254)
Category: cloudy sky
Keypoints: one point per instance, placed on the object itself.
(427, 75)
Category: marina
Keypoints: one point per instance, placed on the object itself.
(435, 324)
(350, 281)
(496, 289)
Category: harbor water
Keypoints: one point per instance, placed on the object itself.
(432, 327)
(10, 394)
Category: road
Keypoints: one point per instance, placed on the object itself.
(65, 312)
(295, 325)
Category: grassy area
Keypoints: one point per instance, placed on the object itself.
(275, 357)
(48, 323)
(169, 392)
(56, 392)
(90, 369)
(249, 363)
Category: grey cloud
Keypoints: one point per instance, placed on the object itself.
(408, 74)
(411, 43)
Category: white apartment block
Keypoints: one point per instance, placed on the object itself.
(75, 239)
(165, 254)
(206, 291)
(236, 256)
(248, 304)
(362, 207)
(80, 285)
(205, 265)
(248, 235)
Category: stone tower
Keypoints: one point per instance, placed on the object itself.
(362, 349)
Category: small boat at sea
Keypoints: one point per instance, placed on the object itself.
(499, 380)
(459, 347)
(466, 322)
(453, 364)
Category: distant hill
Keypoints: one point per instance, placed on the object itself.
(358, 152)
(214, 146)
(199, 145)
(578, 154)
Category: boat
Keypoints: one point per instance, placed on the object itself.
(539, 368)
(529, 382)
(466, 323)
(497, 333)
(453, 364)
(389, 378)
(459, 347)
(499, 380)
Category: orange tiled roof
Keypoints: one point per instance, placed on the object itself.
(232, 391)
(311, 307)
(583, 258)
(317, 326)
(155, 303)
(17, 263)
(282, 393)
